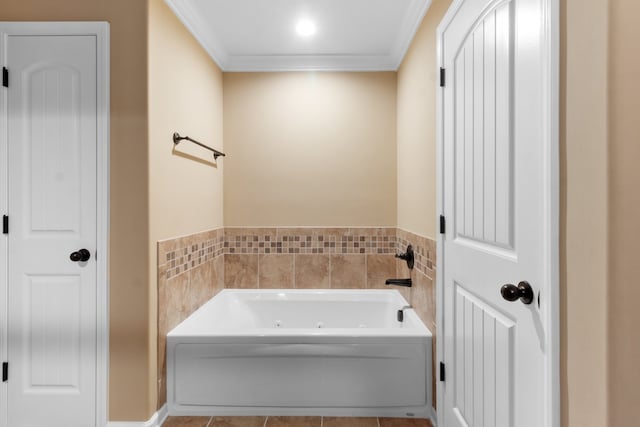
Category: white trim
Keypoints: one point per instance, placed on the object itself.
(101, 31)
(156, 420)
(276, 63)
(103, 221)
(550, 307)
(433, 417)
(227, 62)
(440, 351)
(408, 30)
(192, 22)
(4, 175)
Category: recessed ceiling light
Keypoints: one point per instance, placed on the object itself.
(305, 28)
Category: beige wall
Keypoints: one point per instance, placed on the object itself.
(185, 185)
(129, 391)
(624, 211)
(417, 85)
(310, 149)
(583, 227)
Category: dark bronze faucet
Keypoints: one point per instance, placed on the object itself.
(399, 282)
(408, 257)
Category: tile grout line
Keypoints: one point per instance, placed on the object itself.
(293, 279)
(331, 271)
(366, 271)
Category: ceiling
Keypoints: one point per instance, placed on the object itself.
(260, 35)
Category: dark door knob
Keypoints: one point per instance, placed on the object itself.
(82, 255)
(523, 292)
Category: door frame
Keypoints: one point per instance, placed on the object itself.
(549, 305)
(101, 31)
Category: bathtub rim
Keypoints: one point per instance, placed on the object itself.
(417, 328)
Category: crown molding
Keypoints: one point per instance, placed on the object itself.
(228, 62)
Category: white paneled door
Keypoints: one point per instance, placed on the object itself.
(496, 202)
(51, 203)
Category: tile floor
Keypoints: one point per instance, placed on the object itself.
(293, 422)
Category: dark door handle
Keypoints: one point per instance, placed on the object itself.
(522, 292)
(82, 255)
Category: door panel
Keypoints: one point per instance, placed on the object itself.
(483, 143)
(493, 187)
(482, 357)
(53, 343)
(51, 128)
(52, 103)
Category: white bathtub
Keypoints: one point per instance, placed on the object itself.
(300, 352)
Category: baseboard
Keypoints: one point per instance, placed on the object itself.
(434, 417)
(156, 420)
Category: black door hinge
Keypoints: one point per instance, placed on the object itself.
(442, 224)
(442, 74)
(5, 77)
(441, 371)
(5, 224)
(5, 371)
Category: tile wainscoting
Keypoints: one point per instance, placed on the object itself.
(303, 258)
(190, 272)
(192, 269)
(423, 291)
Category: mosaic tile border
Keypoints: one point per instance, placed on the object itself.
(310, 241)
(424, 251)
(182, 254)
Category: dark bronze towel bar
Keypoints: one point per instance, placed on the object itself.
(177, 138)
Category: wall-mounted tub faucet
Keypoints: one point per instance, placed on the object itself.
(400, 314)
(407, 256)
(399, 282)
